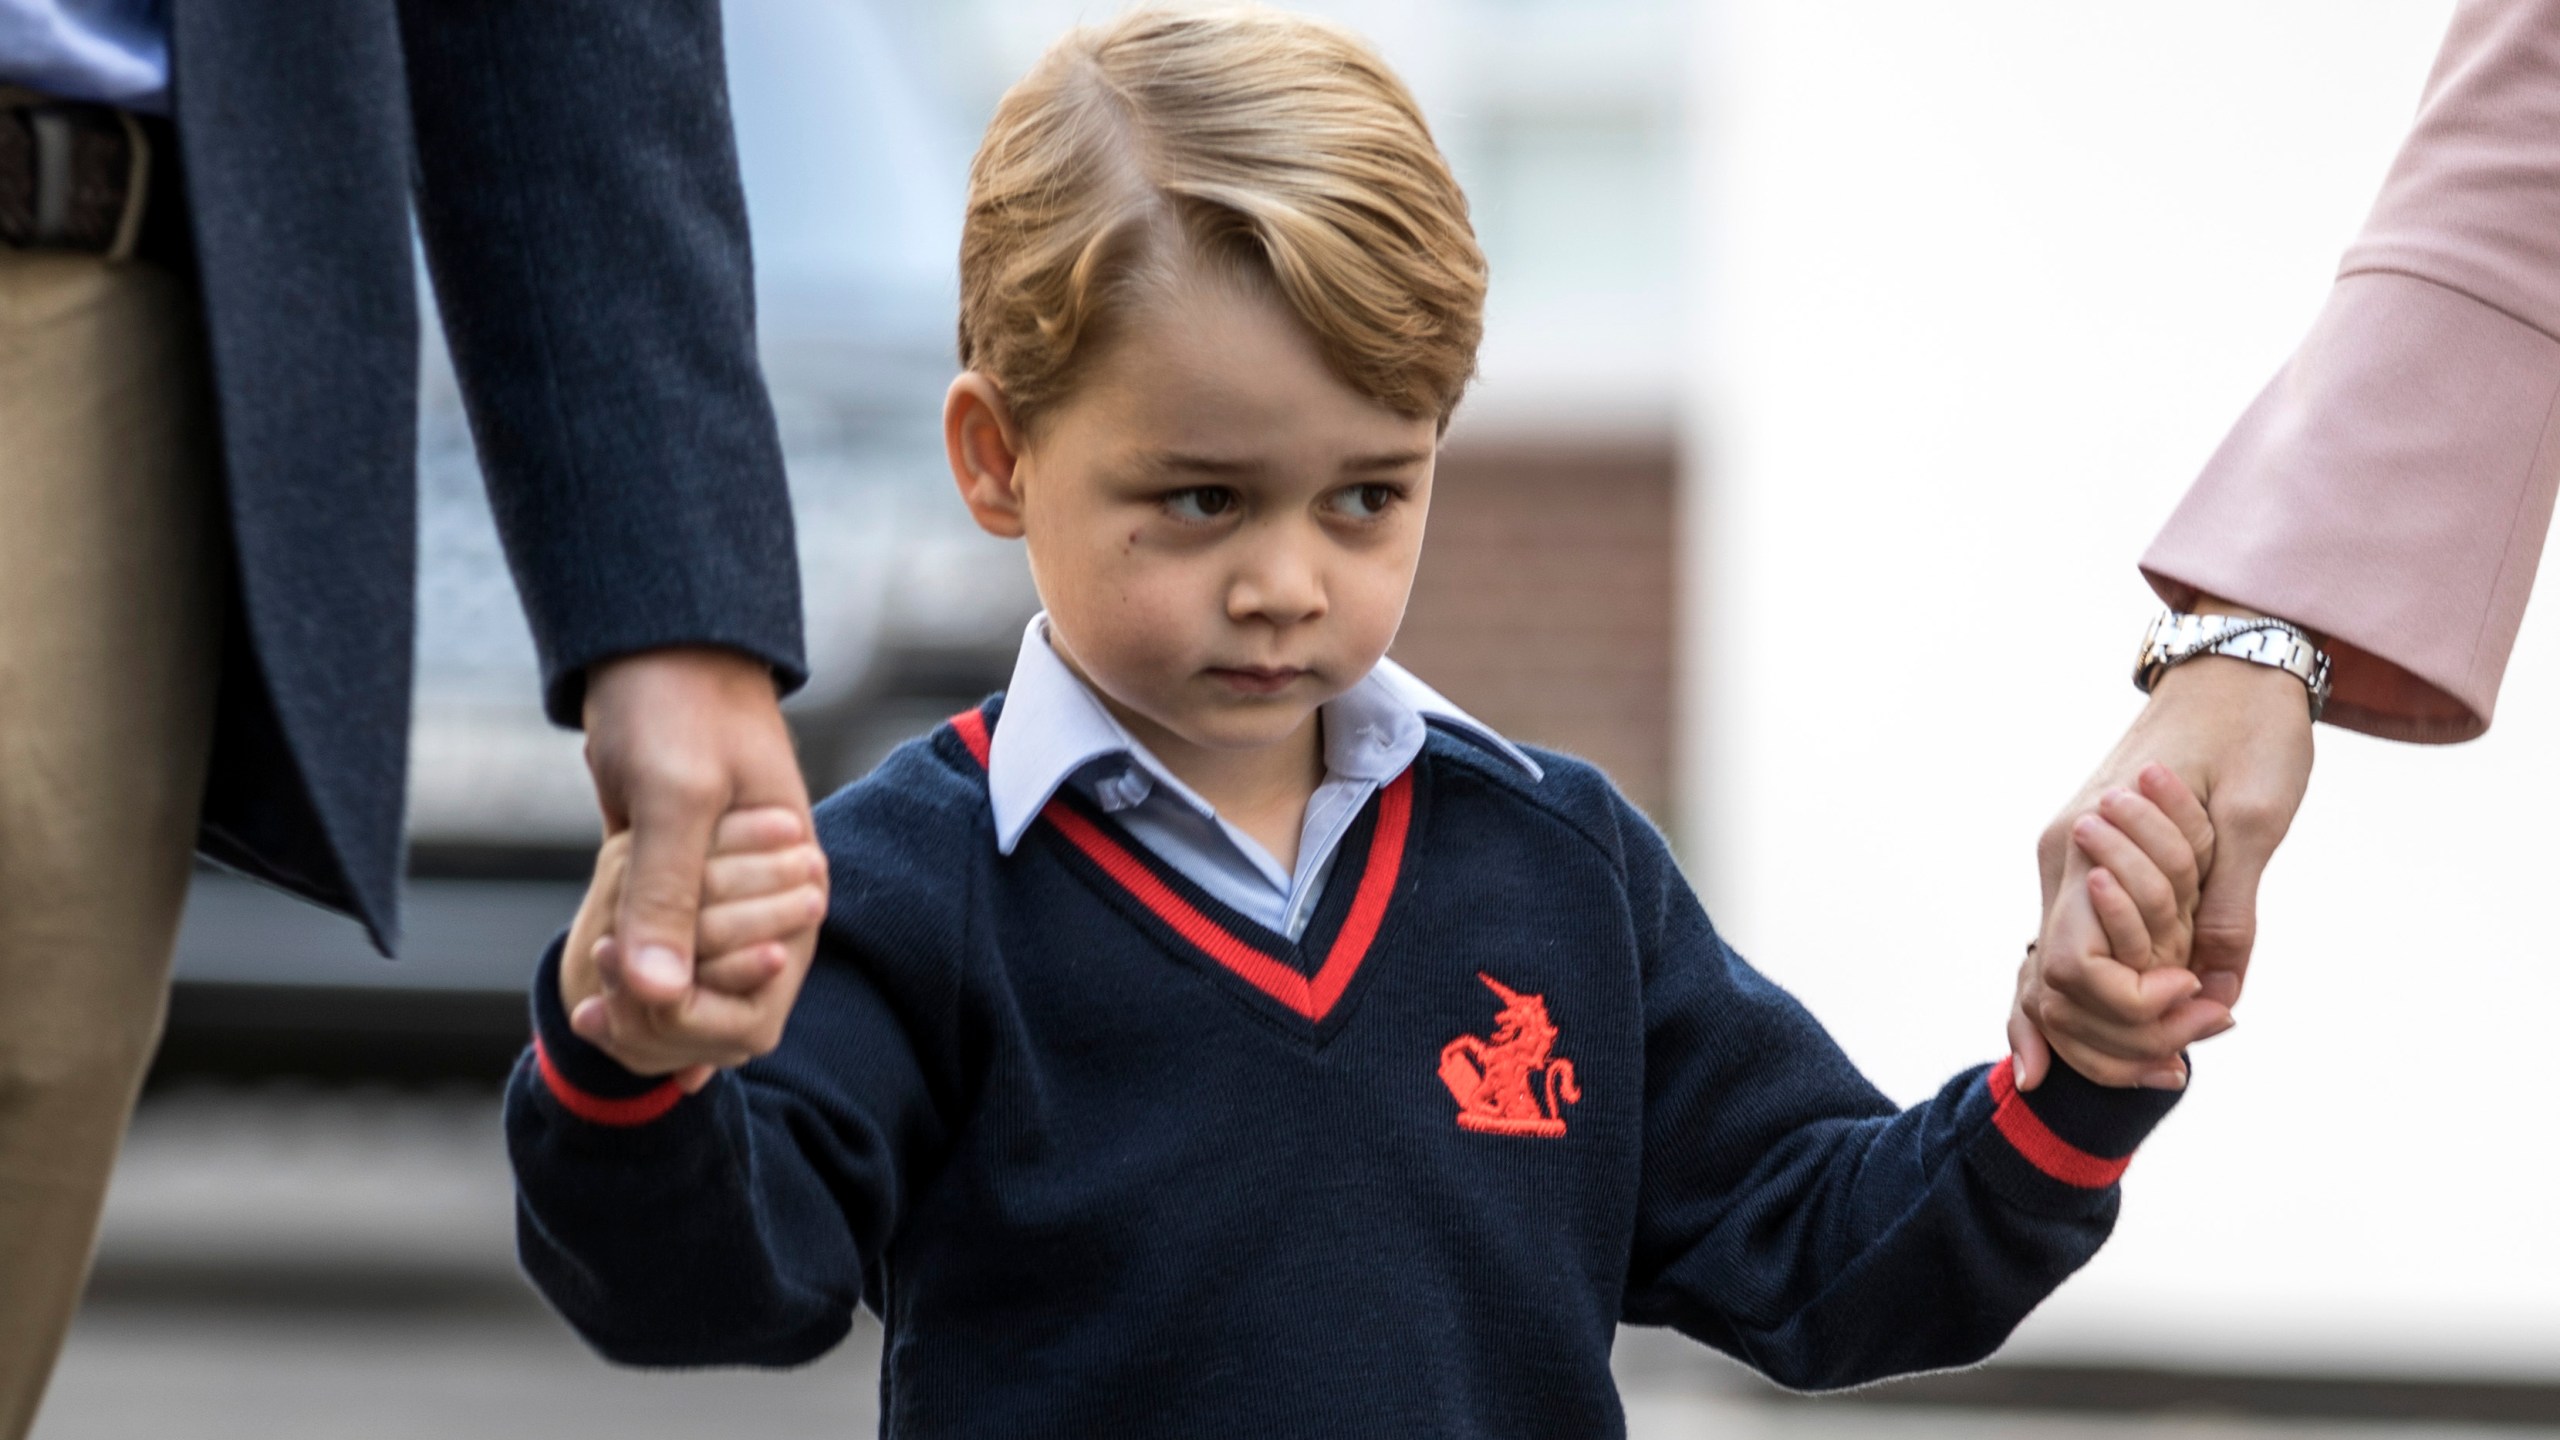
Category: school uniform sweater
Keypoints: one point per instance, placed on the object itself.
(1108, 1158)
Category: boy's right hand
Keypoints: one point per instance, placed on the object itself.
(2123, 942)
(764, 893)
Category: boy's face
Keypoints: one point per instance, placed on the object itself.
(1223, 532)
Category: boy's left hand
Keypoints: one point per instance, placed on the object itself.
(2121, 944)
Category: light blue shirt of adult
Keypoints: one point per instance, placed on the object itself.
(1055, 732)
(113, 52)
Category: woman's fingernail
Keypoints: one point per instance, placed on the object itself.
(2227, 1022)
(2165, 1080)
(2018, 1069)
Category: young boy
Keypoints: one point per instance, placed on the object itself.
(1218, 1032)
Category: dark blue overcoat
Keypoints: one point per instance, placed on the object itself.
(575, 184)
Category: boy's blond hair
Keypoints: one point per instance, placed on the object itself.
(1278, 148)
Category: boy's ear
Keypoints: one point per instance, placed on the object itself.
(985, 449)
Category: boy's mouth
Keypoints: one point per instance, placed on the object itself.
(1255, 679)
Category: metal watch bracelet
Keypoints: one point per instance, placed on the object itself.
(2176, 637)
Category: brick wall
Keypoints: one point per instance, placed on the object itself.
(1544, 603)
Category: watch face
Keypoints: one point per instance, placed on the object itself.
(2150, 645)
(2146, 656)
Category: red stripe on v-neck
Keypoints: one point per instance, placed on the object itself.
(971, 726)
(1312, 999)
(1369, 902)
(1259, 970)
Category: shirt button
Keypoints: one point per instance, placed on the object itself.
(1122, 791)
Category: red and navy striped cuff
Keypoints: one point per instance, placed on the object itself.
(587, 1082)
(2072, 1129)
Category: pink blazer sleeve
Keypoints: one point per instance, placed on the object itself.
(2391, 487)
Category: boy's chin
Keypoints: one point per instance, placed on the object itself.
(1245, 724)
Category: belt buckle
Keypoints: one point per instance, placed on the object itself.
(52, 166)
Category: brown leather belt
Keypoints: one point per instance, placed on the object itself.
(81, 177)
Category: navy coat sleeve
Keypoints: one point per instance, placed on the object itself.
(577, 190)
(1793, 1217)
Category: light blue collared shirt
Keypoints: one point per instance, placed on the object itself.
(115, 52)
(1055, 732)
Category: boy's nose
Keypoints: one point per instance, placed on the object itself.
(1280, 587)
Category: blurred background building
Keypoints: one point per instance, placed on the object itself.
(1873, 324)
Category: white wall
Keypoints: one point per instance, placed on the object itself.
(1990, 278)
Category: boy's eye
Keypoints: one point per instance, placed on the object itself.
(1201, 503)
(1365, 502)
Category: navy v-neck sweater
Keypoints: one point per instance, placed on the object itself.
(1108, 1158)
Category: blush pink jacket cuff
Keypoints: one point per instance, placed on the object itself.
(2391, 487)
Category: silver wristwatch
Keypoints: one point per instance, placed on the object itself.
(2176, 637)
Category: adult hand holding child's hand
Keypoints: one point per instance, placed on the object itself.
(764, 890)
(2108, 985)
(2240, 736)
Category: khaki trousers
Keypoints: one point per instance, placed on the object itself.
(110, 620)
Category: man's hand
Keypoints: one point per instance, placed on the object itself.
(2239, 735)
(676, 739)
(2117, 944)
(763, 894)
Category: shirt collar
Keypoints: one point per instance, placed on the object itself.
(1053, 726)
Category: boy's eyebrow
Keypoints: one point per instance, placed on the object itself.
(1201, 464)
(1186, 462)
(1390, 460)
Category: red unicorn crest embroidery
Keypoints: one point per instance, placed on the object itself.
(1496, 1080)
